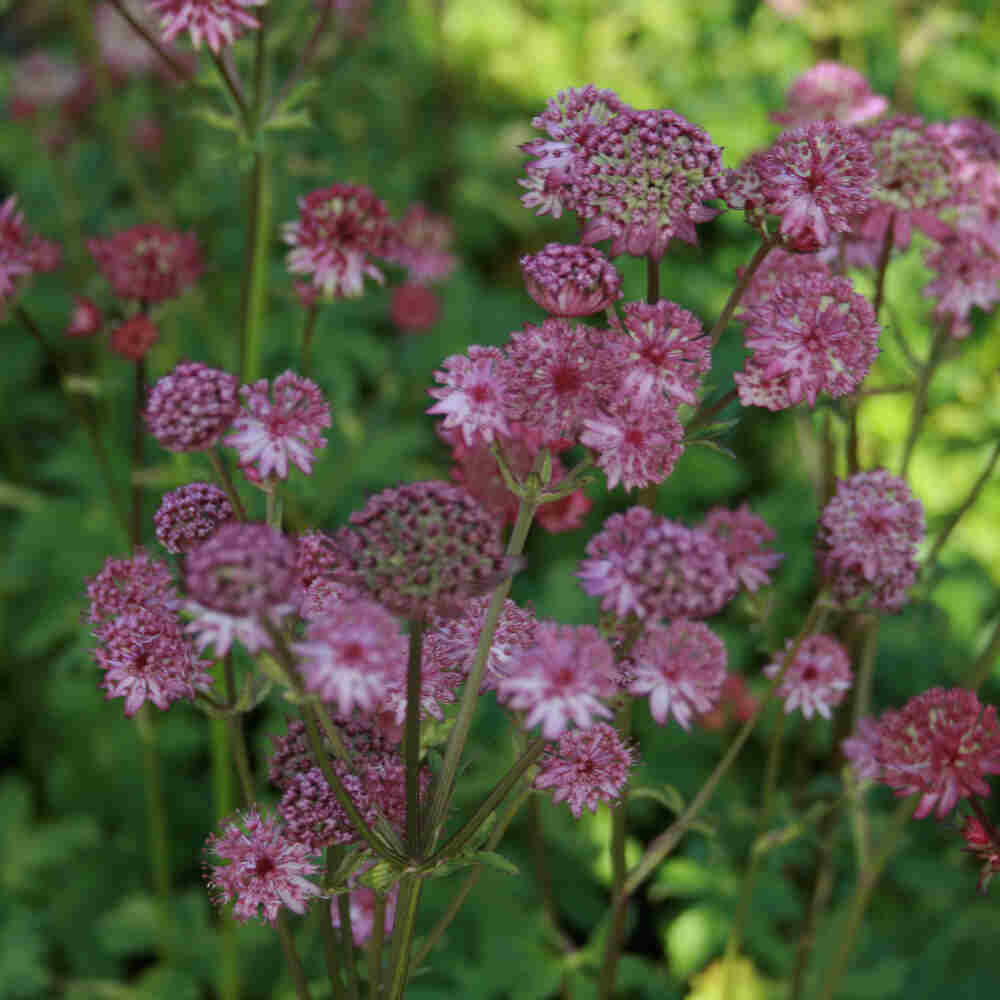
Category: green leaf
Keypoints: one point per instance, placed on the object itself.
(222, 120)
(289, 120)
(494, 860)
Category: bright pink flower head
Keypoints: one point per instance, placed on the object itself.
(284, 426)
(421, 242)
(638, 441)
(816, 335)
(569, 280)
(643, 564)
(743, 535)
(557, 374)
(561, 678)
(148, 263)
(817, 178)
(941, 744)
(818, 679)
(218, 22)
(362, 906)
(667, 352)
(681, 667)
(22, 253)
(414, 308)
(190, 515)
(868, 538)
(985, 846)
(242, 569)
(265, 871)
(831, 90)
(642, 179)
(585, 767)
(351, 653)
(85, 320)
(337, 230)
(422, 548)
(190, 409)
(133, 339)
(146, 657)
(126, 584)
(473, 396)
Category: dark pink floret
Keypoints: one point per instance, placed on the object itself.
(148, 263)
(191, 514)
(190, 409)
(570, 280)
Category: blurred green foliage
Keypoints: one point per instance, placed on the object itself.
(430, 104)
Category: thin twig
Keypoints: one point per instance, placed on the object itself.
(140, 29)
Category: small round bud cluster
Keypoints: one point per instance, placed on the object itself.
(242, 569)
(831, 90)
(218, 22)
(422, 548)
(414, 308)
(190, 515)
(123, 584)
(643, 564)
(743, 535)
(85, 320)
(570, 280)
(133, 339)
(148, 263)
(868, 538)
(817, 680)
(190, 409)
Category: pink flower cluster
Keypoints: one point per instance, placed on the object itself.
(148, 263)
(191, 408)
(22, 253)
(831, 90)
(818, 678)
(218, 22)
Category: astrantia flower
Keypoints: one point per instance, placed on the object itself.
(941, 744)
(968, 275)
(189, 409)
(265, 870)
(861, 749)
(362, 908)
(125, 584)
(681, 667)
(145, 657)
(640, 563)
(148, 263)
(414, 308)
(218, 22)
(666, 352)
(561, 678)
(124, 51)
(422, 548)
(420, 242)
(351, 653)
(567, 280)
(473, 397)
(638, 441)
(286, 426)
(86, 318)
(642, 179)
(780, 266)
(218, 630)
(831, 90)
(133, 339)
(985, 845)
(191, 514)
(816, 335)
(44, 80)
(816, 178)
(868, 538)
(21, 252)
(743, 535)
(585, 767)
(242, 569)
(817, 680)
(338, 229)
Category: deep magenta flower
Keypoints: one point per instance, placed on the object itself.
(831, 90)
(86, 319)
(126, 584)
(190, 515)
(560, 679)
(640, 563)
(284, 426)
(133, 339)
(743, 535)
(681, 667)
(473, 396)
(261, 870)
(414, 308)
(568, 280)
(147, 263)
(868, 537)
(338, 230)
(190, 409)
(585, 767)
(816, 335)
(218, 22)
(817, 680)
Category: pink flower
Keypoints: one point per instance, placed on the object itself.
(148, 263)
(585, 767)
(984, 844)
(338, 229)
(779, 267)
(190, 409)
(284, 427)
(817, 335)
(868, 538)
(191, 514)
(127, 584)
(124, 51)
(219, 629)
(351, 653)
(265, 871)
(742, 535)
(474, 396)
(85, 320)
(817, 680)
(21, 252)
(43, 80)
(133, 339)
(560, 679)
(831, 90)
(219, 22)
(968, 275)
(571, 280)
(414, 308)
(421, 242)
(681, 667)
(861, 749)
(362, 910)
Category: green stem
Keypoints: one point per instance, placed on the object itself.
(411, 738)
(861, 708)
(235, 90)
(151, 40)
(255, 282)
(544, 875)
(305, 357)
(920, 398)
(737, 293)
(329, 932)
(292, 958)
(347, 945)
(302, 64)
(883, 264)
(652, 279)
(218, 461)
(402, 934)
(156, 816)
(986, 661)
(707, 411)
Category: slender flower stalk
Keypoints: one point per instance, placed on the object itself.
(292, 958)
(302, 65)
(736, 294)
(180, 71)
(920, 395)
(308, 329)
(402, 935)
(226, 481)
(375, 946)
(330, 934)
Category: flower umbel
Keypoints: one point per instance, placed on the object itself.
(190, 409)
(817, 680)
(218, 22)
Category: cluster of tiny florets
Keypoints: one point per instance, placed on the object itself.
(421, 243)
(133, 339)
(473, 395)
(190, 408)
(571, 280)
(123, 584)
(868, 538)
(218, 22)
(818, 678)
(21, 252)
(190, 515)
(743, 535)
(148, 263)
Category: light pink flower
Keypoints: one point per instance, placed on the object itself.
(86, 318)
(743, 535)
(421, 242)
(818, 679)
(831, 90)
(474, 395)
(218, 22)
(127, 584)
